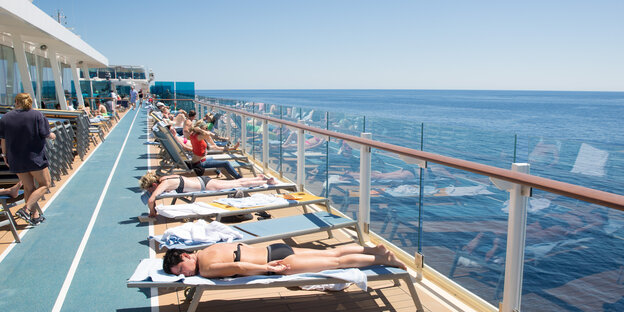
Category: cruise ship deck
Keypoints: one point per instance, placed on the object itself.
(92, 241)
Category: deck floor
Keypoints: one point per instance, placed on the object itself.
(92, 240)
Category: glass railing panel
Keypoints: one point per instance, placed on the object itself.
(275, 146)
(340, 176)
(586, 163)
(346, 123)
(314, 118)
(573, 256)
(316, 164)
(394, 200)
(485, 147)
(399, 132)
(464, 229)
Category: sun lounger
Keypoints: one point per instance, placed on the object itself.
(272, 229)
(190, 197)
(224, 210)
(4, 211)
(150, 269)
(175, 157)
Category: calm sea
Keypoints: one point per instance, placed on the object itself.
(587, 116)
(575, 137)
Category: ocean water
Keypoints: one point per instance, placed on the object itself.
(588, 116)
(575, 137)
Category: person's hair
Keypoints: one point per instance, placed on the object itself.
(24, 101)
(199, 124)
(148, 180)
(192, 113)
(172, 258)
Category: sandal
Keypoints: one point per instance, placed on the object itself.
(36, 221)
(23, 214)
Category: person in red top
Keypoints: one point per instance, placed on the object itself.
(198, 138)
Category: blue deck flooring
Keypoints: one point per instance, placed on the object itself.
(32, 274)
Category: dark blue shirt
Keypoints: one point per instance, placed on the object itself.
(25, 132)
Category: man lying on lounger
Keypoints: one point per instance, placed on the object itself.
(229, 259)
(155, 185)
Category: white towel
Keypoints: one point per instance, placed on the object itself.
(174, 211)
(254, 200)
(201, 232)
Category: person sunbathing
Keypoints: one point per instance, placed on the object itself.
(153, 185)
(230, 259)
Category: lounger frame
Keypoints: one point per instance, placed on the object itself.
(373, 274)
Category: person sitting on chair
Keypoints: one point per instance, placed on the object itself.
(155, 185)
(231, 259)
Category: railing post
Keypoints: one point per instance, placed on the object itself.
(228, 125)
(300, 158)
(265, 144)
(244, 133)
(365, 185)
(516, 235)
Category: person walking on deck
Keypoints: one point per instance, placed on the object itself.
(133, 97)
(23, 134)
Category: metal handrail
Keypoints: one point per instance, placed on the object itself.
(602, 198)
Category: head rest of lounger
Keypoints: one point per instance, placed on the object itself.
(145, 197)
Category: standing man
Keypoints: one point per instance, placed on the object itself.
(133, 97)
(140, 98)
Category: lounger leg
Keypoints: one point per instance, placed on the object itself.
(407, 279)
(196, 298)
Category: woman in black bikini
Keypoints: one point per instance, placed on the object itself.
(230, 259)
(155, 185)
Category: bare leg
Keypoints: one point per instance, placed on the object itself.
(303, 263)
(32, 196)
(342, 251)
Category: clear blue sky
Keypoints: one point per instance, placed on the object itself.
(361, 44)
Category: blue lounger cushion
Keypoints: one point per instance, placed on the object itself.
(267, 230)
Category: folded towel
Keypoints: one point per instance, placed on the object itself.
(174, 211)
(200, 232)
(254, 200)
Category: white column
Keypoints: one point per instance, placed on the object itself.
(56, 72)
(300, 158)
(265, 144)
(516, 235)
(244, 133)
(85, 71)
(39, 81)
(76, 78)
(228, 119)
(365, 184)
(22, 64)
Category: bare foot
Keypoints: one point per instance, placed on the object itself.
(269, 180)
(235, 147)
(15, 189)
(378, 250)
(395, 262)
